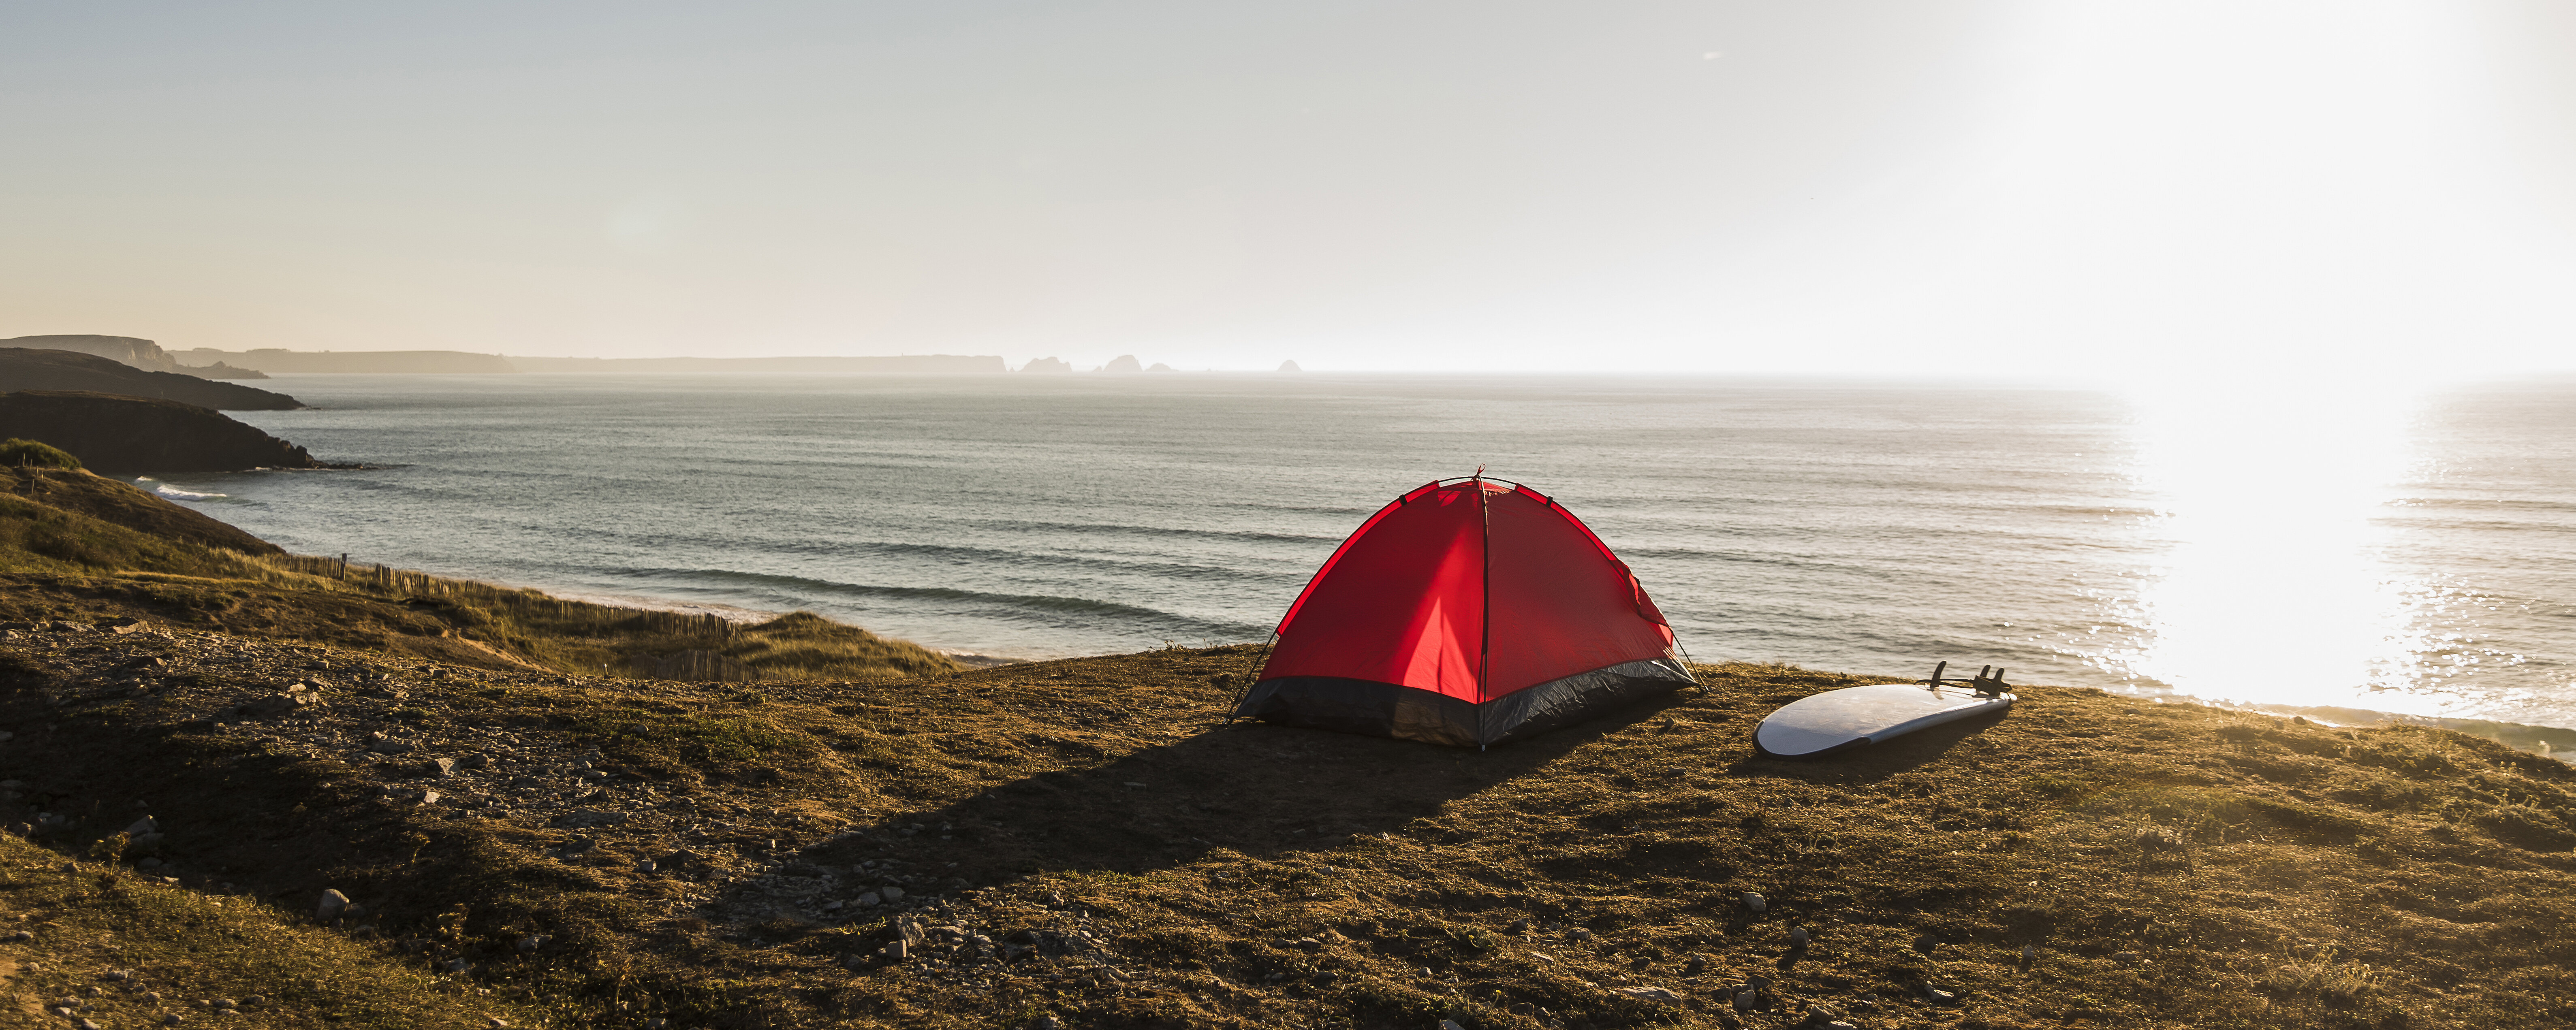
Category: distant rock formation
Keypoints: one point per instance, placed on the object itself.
(1289, 366)
(892, 365)
(280, 360)
(1159, 367)
(23, 369)
(219, 370)
(142, 434)
(1046, 365)
(1124, 364)
(130, 351)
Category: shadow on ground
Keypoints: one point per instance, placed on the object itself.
(1877, 761)
(1253, 788)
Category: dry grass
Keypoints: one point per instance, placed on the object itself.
(80, 547)
(2166, 865)
(2171, 865)
(123, 949)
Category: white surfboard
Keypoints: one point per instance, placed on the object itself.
(1853, 717)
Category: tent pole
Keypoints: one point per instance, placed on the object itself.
(1485, 612)
(1252, 679)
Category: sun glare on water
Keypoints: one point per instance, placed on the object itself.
(2275, 588)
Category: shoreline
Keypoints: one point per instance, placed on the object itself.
(2557, 742)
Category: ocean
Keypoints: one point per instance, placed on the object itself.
(2412, 553)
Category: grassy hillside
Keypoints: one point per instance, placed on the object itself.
(79, 546)
(1086, 842)
(1082, 839)
(118, 948)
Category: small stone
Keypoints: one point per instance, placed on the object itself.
(333, 905)
(1648, 993)
(429, 797)
(897, 951)
(893, 894)
(442, 766)
(1938, 996)
(1926, 943)
(173, 1019)
(142, 826)
(1450, 1024)
(21, 935)
(870, 900)
(496, 1023)
(2029, 954)
(1755, 902)
(1798, 937)
(1745, 1000)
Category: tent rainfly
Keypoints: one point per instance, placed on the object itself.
(1467, 612)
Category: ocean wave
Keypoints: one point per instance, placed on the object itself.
(1054, 605)
(176, 494)
(1180, 532)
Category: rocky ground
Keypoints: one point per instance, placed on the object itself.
(1085, 843)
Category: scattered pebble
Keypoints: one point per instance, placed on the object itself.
(333, 904)
(1755, 902)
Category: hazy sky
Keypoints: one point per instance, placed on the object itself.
(2110, 189)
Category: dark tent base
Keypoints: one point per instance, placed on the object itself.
(1405, 713)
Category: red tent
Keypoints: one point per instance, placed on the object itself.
(1466, 612)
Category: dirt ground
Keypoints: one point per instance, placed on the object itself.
(1087, 843)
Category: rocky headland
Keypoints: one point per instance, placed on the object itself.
(141, 434)
(43, 369)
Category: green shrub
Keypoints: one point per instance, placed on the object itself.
(35, 454)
